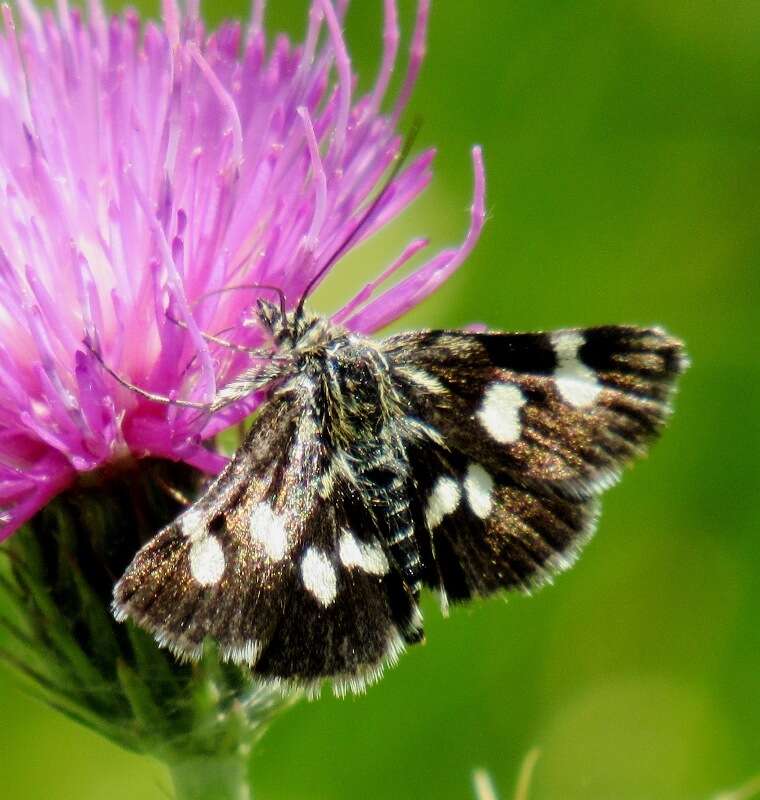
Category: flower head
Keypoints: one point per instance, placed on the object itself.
(145, 170)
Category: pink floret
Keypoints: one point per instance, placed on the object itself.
(143, 168)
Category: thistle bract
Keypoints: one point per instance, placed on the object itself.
(144, 170)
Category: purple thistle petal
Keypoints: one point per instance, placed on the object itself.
(416, 57)
(369, 289)
(144, 168)
(416, 287)
(391, 39)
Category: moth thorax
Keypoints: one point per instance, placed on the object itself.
(359, 385)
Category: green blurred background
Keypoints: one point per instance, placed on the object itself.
(622, 146)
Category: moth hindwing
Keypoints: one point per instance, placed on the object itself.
(463, 462)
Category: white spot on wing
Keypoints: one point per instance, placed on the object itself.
(478, 486)
(193, 523)
(366, 556)
(499, 413)
(268, 530)
(576, 383)
(319, 576)
(423, 379)
(206, 560)
(443, 500)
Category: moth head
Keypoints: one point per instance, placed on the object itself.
(296, 328)
(277, 322)
(270, 314)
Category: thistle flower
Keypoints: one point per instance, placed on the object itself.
(153, 181)
(144, 170)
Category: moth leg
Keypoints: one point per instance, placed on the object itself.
(157, 398)
(174, 492)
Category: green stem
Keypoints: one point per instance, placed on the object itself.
(211, 778)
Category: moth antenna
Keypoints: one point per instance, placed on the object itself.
(253, 352)
(401, 159)
(276, 289)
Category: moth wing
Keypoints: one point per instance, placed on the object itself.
(205, 574)
(480, 532)
(567, 408)
(286, 579)
(348, 613)
(530, 428)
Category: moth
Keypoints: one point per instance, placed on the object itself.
(466, 463)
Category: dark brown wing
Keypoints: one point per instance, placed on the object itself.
(286, 580)
(568, 408)
(531, 428)
(480, 531)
